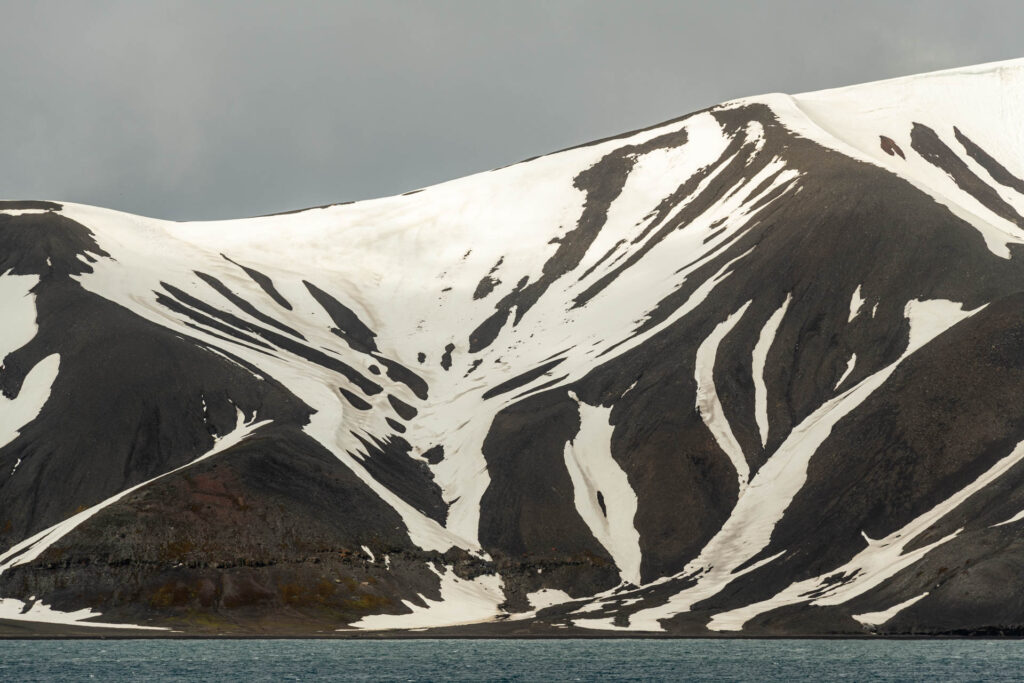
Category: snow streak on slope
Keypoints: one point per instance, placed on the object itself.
(856, 303)
(760, 364)
(708, 404)
(601, 490)
(1012, 520)
(850, 365)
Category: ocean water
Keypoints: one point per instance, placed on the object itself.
(511, 660)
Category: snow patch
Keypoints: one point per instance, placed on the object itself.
(16, 610)
(462, 601)
(19, 312)
(23, 212)
(601, 624)
(879, 618)
(545, 597)
(35, 390)
(856, 302)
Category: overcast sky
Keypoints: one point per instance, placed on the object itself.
(209, 109)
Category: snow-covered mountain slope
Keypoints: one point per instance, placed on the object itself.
(755, 369)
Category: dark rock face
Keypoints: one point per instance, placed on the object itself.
(732, 378)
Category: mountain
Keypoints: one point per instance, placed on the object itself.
(756, 370)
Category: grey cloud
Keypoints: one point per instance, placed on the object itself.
(191, 110)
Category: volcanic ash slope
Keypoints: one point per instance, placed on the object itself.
(756, 370)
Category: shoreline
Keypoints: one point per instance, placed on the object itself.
(8, 632)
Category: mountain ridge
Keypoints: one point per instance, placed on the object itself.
(629, 386)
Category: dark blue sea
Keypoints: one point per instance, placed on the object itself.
(511, 660)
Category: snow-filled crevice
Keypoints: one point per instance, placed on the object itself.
(602, 494)
(710, 406)
(759, 366)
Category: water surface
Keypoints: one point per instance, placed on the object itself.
(511, 660)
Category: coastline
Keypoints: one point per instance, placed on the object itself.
(19, 630)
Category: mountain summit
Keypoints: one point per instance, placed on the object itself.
(756, 370)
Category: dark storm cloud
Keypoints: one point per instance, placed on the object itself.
(219, 109)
